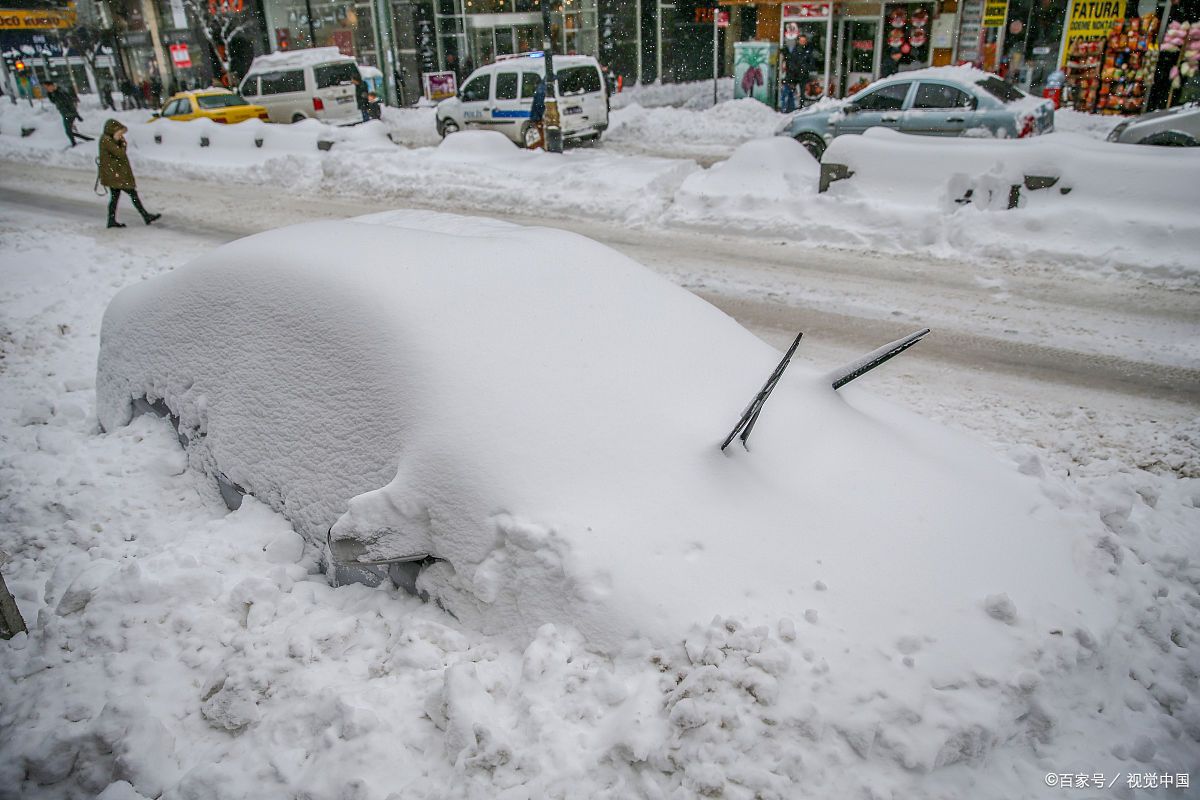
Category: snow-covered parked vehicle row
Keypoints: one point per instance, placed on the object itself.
(938, 101)
(540, 436)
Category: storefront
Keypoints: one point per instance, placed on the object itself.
(477, 31)
(347, 25)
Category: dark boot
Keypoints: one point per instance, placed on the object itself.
(147, 217)
(113, 196)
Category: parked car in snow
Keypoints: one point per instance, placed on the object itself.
(527, 438)
(219, 105)
(939, 101)
(498, 97)
(1171, 127)
(295, 85)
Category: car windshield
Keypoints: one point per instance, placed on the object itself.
(1004, 92)
(219, 100)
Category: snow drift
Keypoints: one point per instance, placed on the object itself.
(541, 416)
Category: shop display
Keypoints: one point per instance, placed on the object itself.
(1111, 75)
(1183, 38)
(907, 39)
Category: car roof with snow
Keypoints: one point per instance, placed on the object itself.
(542, 433)
(295, 59)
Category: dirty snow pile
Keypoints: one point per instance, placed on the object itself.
(709, 132)
(1038, 622)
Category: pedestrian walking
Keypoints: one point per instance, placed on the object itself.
(106, 98)
(374, 107)
(797, 60)
(360, 96)
(68, 106)
(116, 175)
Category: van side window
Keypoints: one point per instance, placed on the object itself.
(529, 83)
(578, 80)
(506, 86)
(339, 72)
(291, 80)
(477, 88)
(250, 87)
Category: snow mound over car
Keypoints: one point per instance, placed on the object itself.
(537, 418)
(762, 181)
(475, 146)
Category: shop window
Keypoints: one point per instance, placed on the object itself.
(477, 89)
(578, 80)
(282, 82)
(506, 86)
(334, 74)
(889, 98)
(529, 83)
(938, 95)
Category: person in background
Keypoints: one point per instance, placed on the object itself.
(360, 95)
(452, 65)
(537, 117)
(106, 98)
(796, 60)
(67, 104)
(116, 175)
(374, 107)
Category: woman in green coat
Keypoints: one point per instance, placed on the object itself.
(117, 175)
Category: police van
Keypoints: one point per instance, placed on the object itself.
(498, 97)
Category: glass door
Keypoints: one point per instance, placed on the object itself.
(858, 54)
(503, 38)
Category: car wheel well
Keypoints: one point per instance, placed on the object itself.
(1170, 139)
(298, 118)
(814, 144)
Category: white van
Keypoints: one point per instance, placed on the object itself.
(304, 84)
(498, 97)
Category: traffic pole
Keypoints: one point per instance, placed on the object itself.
(550, 120)
(716, 15)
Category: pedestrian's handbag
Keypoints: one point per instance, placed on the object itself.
(96, 187)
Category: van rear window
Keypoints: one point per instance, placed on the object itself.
(578, 80)
(291, 80)
(334, 74)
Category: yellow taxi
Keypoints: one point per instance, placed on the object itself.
(219, 105)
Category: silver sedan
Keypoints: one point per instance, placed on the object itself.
(940, 101)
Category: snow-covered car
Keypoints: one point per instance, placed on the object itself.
(938, 101)
(1170, 127)
(537, 436)
(498, 97)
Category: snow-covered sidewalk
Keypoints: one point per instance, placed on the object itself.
(767, 187)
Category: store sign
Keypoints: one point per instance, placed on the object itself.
(180, 56)
(970, 31)
(806, 10)
(995, 14)
(136, 39)
(1090, 19)
(866, 45)
(439, 85)
(177, 15)
(11, 20)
